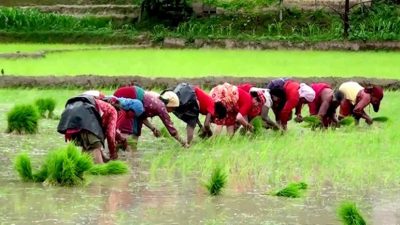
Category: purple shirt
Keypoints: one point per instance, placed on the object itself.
(153, 106)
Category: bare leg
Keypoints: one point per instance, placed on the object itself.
(230, 130)
(97, 155)
(218, 129)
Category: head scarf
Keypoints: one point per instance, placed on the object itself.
(94, 93)
(267, 95)
(306, 92)
(227, 94)
(170, 98)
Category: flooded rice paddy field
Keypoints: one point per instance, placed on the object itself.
(165, 182)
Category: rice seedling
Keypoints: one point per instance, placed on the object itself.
(23, 166)
(217, 181)
(292, 190)
(63, 167)
(66, 166)
(164, 133)
(347, 121)
(350, 215)
(46, 105)
(23, 119)
(381, 119)
(312, 122)
(110, 168)
(257, 123)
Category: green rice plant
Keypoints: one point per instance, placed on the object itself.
(110, 168)
(23, 166)
(349, 214)
(347, 121)
(46, 105)
(164, 132)
(66, 166)
(23, 119)
(292, 190)
(381, 119)
(312, 122)
(257, 123)
(217, 181)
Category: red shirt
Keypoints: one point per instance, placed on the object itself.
(291, 89)
(125, 92)
(206, 103)
(316, 104)
(244, 103)
(108, 122)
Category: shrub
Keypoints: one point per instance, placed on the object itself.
(23, 119)
(349, 214)
(46, 105)
(217, 181)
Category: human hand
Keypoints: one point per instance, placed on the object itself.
(156, 133)
(298, 118)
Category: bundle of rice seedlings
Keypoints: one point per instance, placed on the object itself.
(217, 182)
(23, 119)
(292, 190)
(110, 168)
(349, 214)
(257, 123)
(347, 121)
(66, 166)
(23, 166)
(312, 122)
(46, 105)
(381, 119)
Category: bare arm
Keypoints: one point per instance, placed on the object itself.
(267, 119)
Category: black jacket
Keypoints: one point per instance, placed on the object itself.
(80, 113)
(188, 109)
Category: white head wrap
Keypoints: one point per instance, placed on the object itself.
(267, 95)
(306, 92)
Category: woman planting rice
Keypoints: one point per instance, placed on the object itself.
(259, 94)
(192, 102)
(154, 105)
(85, 119)
(286, 95)
(356, 98)
(324, 105)
(239, 104)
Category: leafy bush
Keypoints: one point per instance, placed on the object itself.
(23, 119)
(46, 105)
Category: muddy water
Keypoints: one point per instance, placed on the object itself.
(139, 198)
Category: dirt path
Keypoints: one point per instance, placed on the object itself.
(93, 81)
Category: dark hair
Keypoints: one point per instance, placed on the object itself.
(339, 95)
(220, 110)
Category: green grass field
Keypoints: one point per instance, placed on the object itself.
(203, 62)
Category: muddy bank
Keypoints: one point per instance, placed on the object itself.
(93, 81)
